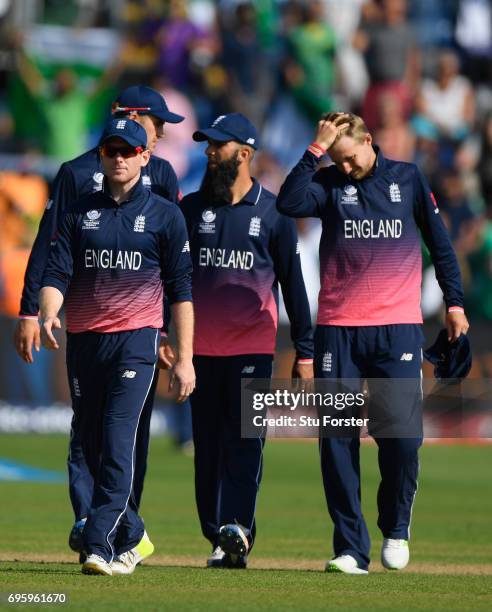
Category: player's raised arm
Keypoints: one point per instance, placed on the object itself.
(304, 193)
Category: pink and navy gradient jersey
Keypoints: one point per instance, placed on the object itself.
(75, 179)
(370, 249)
(112, 261)
(240, 254)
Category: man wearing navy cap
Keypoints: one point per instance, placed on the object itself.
(114, 251)
(77, 178)
(241, 250)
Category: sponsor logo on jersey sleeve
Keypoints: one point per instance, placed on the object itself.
(186, 247)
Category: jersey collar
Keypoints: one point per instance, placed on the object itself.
(254, 194)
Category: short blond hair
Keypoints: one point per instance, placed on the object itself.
(357, 129)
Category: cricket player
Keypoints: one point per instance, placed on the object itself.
(114, 251)
(241, 250)
(77, 178)
(373, 211)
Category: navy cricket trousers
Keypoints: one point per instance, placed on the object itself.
(80, 480)
(228, 468)
(111, 377)
(378, 352)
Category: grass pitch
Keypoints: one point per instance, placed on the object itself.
(451, 553)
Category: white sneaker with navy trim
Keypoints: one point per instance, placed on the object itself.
(395, 554)
(344, 564)
(128, 561)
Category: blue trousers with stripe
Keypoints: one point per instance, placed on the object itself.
(228, 468)
(111, 377)
(387, 351)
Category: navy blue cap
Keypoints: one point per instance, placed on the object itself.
(450, 360)
(145, 101)
(131, 132)
(233, 126)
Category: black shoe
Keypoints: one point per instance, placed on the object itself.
(233, 540)
(75, 539)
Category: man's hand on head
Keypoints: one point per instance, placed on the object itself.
(328, 131)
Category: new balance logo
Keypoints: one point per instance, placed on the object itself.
(248, 370)
(146, 182)
(121, 124)
(298, 249)
(129, 374)
(139, 225)
(186, 248)
(406, 357)
(395, 195)
(255, 226)
(76, 387)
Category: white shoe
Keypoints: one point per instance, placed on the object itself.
(216, 559)
(395, 554)
(128, 561)
(94, 564)
(344, 564)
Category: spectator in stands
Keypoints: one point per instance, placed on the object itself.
(484, 167)
(392, 59)
(310, 68)
(395, 136)
(447, 102)
(55, 101)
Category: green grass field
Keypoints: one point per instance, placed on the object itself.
(451, 552)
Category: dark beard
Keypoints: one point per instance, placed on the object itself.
(217, 182)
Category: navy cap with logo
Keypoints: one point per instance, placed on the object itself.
(145, 101)
(130, 131)
(233, 126)
(450, 360)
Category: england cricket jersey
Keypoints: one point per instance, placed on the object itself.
(75, 179)
(240, 255)
(370, 249)
(111, 261)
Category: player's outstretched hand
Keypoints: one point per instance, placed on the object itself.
(27, 336)
(184, 375)
(327, 131)
(47, 337)
(166, 355)
(457, 324)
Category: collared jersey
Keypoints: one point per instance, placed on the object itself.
(370, 249)
(240, 254)
(111, 261)
(75, 179)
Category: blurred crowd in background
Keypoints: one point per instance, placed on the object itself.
(418, 71)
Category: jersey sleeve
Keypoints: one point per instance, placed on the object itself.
(176, 259)
(63, 192)
(303, 193)
(59, 267)
(437, 240)
(287, 265)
